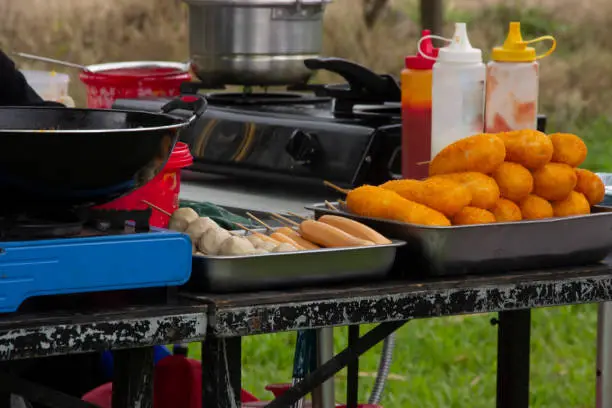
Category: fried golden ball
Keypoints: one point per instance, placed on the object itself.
(443, 195)
(483, 188)
(568, 149)
(554, 181)
(377, 202)
(472, 215)
(515, 181)
(575, 204)
(529, 148)
(507, 211)
(535, 208)
(481, 153)
(591, 186)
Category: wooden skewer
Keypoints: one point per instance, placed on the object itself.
(335, 187)
(284, 223)
(153, 206)
(423, 162)
(297, 215)
(330, 206)
(247, 229)
(266, 226)
(285, 219)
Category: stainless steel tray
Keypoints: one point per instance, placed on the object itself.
(500, 247)
(224, 274)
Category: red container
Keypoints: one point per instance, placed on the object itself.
(107, 82)
(163, 191)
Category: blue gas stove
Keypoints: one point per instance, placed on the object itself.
(57, 258)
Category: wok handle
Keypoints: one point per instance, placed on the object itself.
(195, 103)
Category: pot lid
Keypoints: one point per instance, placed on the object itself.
(256, 3)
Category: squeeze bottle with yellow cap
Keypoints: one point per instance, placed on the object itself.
(511, 101)
(458, 85)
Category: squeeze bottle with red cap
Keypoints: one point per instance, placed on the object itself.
(511, 101)
(458, 90)
(416, 110)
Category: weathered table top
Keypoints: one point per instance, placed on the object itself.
(27, 336)
(267, 312)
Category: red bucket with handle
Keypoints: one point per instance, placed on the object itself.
(132, 80)
(163, 191)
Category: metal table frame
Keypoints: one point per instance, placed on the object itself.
(391, 305)
(130, 332)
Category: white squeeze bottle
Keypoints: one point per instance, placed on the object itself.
(457, 91)
(511, 101)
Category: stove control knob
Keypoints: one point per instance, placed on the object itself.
(303, 147)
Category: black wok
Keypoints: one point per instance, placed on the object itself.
(63, 158)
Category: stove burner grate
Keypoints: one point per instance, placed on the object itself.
(26, 227)
(255, 99)
(66, 224)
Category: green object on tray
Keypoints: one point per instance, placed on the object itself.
(220, 215)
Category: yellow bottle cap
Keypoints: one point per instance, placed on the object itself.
(515, 49)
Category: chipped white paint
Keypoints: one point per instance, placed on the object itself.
(429, 302)
(94, 335)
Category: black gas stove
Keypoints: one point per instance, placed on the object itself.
(348, 133)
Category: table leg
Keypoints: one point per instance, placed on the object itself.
(352, 382)
(221, 371)
(324, 395)
(513, 347)
(604, 356)
(133, 378)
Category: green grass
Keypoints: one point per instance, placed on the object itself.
(451, 362)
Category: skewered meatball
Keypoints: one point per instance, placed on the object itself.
(198, 227)
(255, 240)
(181, 218)
(210, 243)
(259, 243)
(284, 248)
(236, 246)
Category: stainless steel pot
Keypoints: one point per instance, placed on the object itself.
(254, 42)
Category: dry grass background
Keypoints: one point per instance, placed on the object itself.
(576, 84)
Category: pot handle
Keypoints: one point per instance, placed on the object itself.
(195, 103)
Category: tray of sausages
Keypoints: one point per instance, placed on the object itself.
(299, 254)
(492, 203)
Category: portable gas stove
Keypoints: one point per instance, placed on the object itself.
(348, 134)
(95, 251)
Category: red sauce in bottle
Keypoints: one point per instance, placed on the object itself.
(416, 83)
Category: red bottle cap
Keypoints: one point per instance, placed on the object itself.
(418, 61)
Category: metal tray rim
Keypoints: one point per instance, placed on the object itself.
(395, 243)
(603, 213)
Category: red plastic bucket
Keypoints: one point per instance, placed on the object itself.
(163, 191)
(132, 80)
